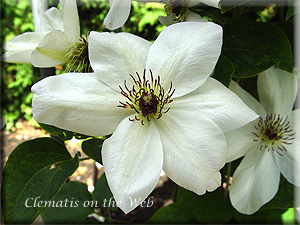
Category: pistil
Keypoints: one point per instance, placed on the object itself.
(146, 97)
(77, 59)
(274, 133)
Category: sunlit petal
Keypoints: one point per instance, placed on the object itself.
(115, 56)
(185, 54)
(71, 20)
(240, 141)
(277, 90)
(117, 14)
(255, 182)
(52, 20)
(194, 150)
(132, 159)
(288, 163)
(217, 103)
(77, 102)
(248, 99)
(51, 50)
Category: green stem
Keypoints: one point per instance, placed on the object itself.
(83, 159)
(228, 179)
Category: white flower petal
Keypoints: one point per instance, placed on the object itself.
(71, 20)
(188, 16)
(114, 56)
(248, 99)
(194, 150)
(185, 54)
(167, 20)
(277, 90)
(79, 103)
(213, 3)
(240, 141)
(255, 182)
(289, 164)
(16, 56)
(24, 41)
(132, 160)
(20, 47)
(217, 103)
(194, 17)
(117, 14)
(51, 50)
(52, 20)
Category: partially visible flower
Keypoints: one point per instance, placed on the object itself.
(59, 34)
(176, 10)
(268, 143)
(158, 100)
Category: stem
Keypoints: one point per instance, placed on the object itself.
(95, 176)
(175, 192)
(228, 179)
(109, 214)
(82, 159)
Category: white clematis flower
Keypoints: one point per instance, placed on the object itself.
(176, 10)
(158, 100)
(59, 31)
(268, 143)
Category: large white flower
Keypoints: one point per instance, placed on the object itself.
(268, 143)
(175, 9)
(158, 101)
(58, 32)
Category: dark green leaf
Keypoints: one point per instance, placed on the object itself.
(253, 47)
(92, 148)
(28, 176)
(211, 207)
(224, 70)
(174, 214)
(62, 134)
(192, 208)
(250, 85)
(246, 5)
(261, 217)
(288, 29)
(72, 205)
(103, 195)
(65, 135)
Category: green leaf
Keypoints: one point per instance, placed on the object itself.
(174, 214)
(246, 5)
(28, 175)
(65, 135)
(288, 29)
(224, 70)
(253, 47)
(72, 205)
(92, 148)
(62, 134)
(261, 217)
(192, 208)
(103, 195)
(211, 207)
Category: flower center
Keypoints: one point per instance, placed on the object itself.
(147, 97)
(177, 8)
(77, 59)
(274, 133)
